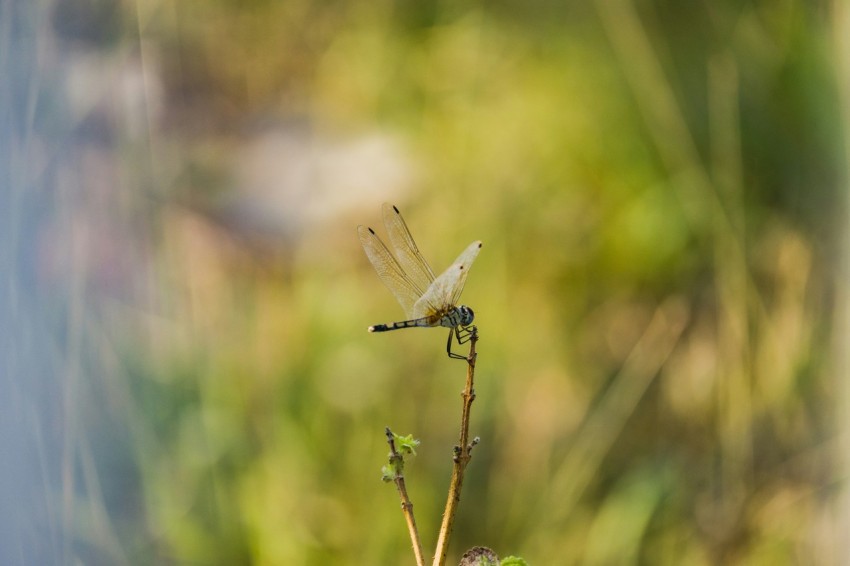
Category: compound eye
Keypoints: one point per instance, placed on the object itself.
(468, 315)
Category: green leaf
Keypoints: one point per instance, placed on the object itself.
(406, 444)
(513, 561)
(388, 473)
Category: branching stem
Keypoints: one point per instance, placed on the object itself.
(406, 504)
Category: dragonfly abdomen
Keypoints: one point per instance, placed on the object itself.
(427, 321)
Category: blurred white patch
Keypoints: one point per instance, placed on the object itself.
(120, 90)
(291, 177)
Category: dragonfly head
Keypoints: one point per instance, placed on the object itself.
(466, 315)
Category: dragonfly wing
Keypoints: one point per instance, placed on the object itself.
(406, 251)
(446, 289)
(389, 270)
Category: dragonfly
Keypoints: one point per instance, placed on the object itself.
(428, 301)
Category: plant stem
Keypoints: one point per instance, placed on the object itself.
(406, 504)
(462, 457)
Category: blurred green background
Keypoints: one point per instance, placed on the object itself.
(661, 296)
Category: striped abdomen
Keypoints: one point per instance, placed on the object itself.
(427, 321)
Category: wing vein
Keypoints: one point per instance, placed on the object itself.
(391, 273)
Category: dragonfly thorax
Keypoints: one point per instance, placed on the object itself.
(458, 316)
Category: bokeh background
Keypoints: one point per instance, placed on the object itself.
(661, 296)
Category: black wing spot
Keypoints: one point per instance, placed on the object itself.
(396, 210)
(372, 231)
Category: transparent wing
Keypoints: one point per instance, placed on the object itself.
(446, 289)
(406, 251)
(389, 270)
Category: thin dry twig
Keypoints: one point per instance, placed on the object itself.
(462, 456)
(406, 504)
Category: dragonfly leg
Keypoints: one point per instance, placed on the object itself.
(452, 332)
(463, 335)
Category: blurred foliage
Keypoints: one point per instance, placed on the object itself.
(187, 374)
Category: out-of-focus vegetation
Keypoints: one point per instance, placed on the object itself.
(186, 375)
